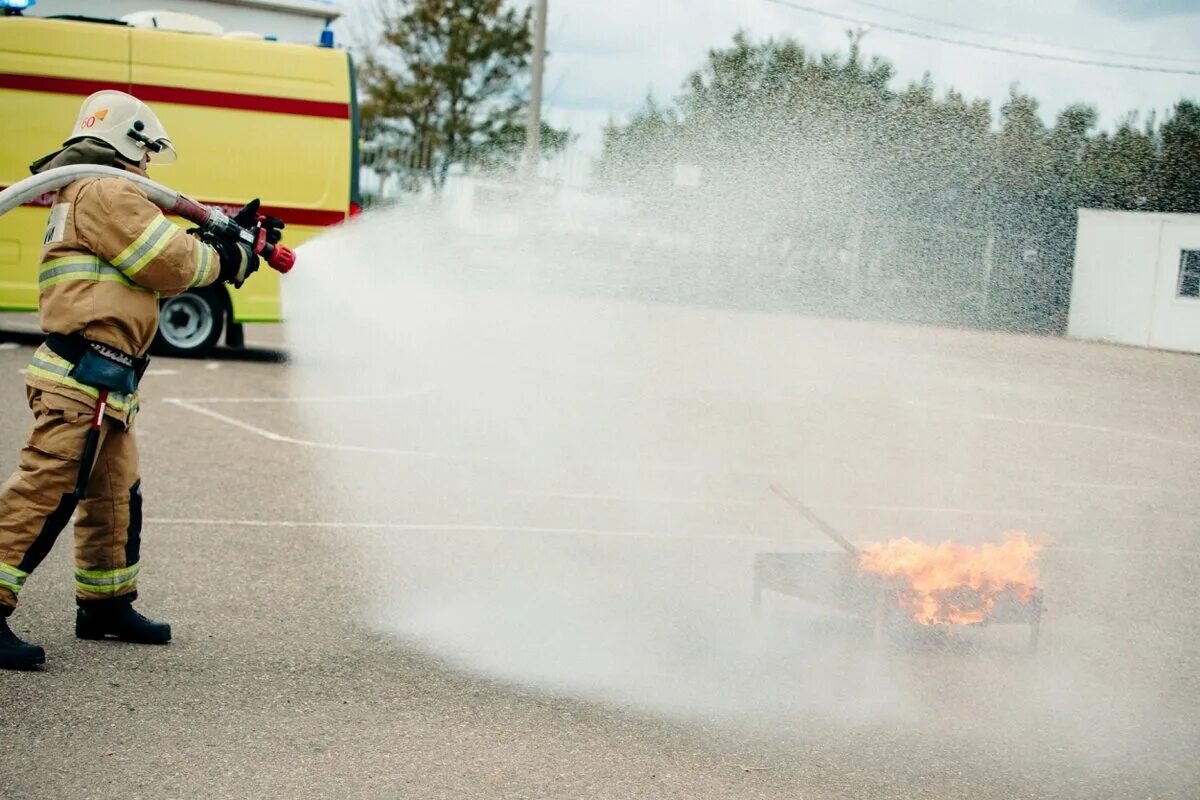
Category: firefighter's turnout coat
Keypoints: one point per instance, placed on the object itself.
(108, 255)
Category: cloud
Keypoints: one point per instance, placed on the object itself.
(608, 55)
(1145, 9)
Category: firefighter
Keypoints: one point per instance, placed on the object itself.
(108, 256)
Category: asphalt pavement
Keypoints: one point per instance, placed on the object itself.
(288, 678)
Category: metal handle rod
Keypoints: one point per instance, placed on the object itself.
(821, 524)
(87, 459)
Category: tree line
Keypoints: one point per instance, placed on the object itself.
(796, 179)
(791, 146)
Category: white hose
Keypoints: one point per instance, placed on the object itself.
(53, 179)
(278, 257)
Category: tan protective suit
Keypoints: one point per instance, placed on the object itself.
(108, 255)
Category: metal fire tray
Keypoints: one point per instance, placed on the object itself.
(833, 581)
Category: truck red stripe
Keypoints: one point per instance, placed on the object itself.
(175, 94)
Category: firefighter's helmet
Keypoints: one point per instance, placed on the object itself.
(127, 124)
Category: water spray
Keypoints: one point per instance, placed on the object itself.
(208, 219)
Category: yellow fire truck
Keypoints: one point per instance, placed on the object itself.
(249, 117)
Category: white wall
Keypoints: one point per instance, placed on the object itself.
(1126, 277)
(288, 20)
(1176, 324)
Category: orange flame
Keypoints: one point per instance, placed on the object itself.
(952, 583)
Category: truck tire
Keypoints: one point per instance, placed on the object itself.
(189, 324)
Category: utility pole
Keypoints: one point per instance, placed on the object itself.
(533, 127)
(855, 35)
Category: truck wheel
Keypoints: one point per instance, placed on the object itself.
(189, 324)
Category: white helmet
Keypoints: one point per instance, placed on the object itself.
(126, 123)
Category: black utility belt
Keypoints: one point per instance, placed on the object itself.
(97, 364)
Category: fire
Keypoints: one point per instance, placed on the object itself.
(952, 583)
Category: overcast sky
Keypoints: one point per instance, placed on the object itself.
(607, 54)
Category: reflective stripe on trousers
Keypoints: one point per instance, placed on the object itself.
(108, 581)
(12, 578)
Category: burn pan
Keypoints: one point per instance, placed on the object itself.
(833, 581)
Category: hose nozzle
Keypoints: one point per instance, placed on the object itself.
(279, 258)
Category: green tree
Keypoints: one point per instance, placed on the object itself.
(1121, 170)
(446, 84)
(1179, 180)
(819, 149)
(639, 154)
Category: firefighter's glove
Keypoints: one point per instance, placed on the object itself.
(238, 260)
(251, 220)
(274, 228)
(248, 216)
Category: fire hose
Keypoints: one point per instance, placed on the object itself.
(210, 220)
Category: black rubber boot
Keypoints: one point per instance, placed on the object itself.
(99, 619)
(18, 654)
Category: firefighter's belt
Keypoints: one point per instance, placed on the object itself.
(97, 364)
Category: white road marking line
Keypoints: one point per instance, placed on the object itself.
(988, 512)
(162, 372)
(1124, 487)
(481, 459)
(665, 499)
(461, 528)
(9, 345)
(433, 455)
(450, 527)
(347, 448)
(1081, 426)
(732, 502)
(350, 398)
(1170, 410)
(213, 365)
(1100, 486)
